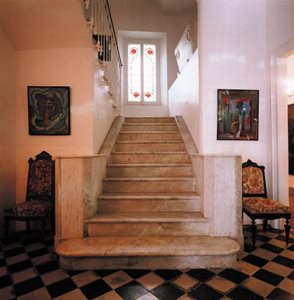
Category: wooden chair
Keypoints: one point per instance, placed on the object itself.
(40, 194)
(256, 204)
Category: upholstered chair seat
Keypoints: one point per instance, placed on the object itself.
(258, 205)
(29, 208)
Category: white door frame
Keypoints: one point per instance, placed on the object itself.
(279, 124)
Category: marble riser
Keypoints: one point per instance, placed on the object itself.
(161, 262)
(149, 171)
(142, 205)
(148, 229)
(149, 127)
(149, 136)
(173, 185)
(149, 158)
(150, 147)
(149, 120)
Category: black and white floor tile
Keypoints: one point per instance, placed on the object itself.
(29, 269)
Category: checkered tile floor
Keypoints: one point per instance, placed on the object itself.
(30, 270)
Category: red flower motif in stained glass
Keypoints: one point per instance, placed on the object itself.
(133, 51)
(150, 51)
(136, 94)
(148, 94)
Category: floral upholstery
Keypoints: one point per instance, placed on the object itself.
(252, 180)
(259, 205)
(40, 179)
(30, 208)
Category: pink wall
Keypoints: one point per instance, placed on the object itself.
(7, 124)
(71, 67)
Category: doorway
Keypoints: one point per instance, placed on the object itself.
(279, 111)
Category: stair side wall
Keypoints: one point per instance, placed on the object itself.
(218, 182)
(78, 184)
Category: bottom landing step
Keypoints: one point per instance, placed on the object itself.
(147, 252)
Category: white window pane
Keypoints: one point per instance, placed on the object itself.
(134, 73)
(149, 67)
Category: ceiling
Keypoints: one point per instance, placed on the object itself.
(179, 7)
(45, 24)
(37, 24)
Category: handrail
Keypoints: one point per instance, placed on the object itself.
(114, 34)
(99, 19)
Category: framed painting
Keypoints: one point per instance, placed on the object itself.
(237, 114)
(49, 110)
(291, 137)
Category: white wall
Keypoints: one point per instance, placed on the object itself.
(184, 97)
(231, 56)
(134, 15)
(103, 112)
(7, 124)
(146, 16)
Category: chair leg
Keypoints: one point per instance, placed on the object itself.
(6, 228)
(52, 223)
(264, 225)
(43, 226)
(253, 231)
(28, 226)
(287, 231)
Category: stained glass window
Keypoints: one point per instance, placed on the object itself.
(141, 72)
(134, 72)
(149, 73)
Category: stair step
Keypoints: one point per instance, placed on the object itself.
(148, 224)
(149, 195)
(149, 170)
(150, 120)
(159, 146)
(137, 217)
(149, 136)
(117, 203)
(150, 127)
(149, 157)
(136, 185)
(147, 252)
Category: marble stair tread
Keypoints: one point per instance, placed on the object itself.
(149, 131)
(149, 142)
(149, 123)
(150, 179)
(150, 120)
(148, 152)
(118, 246)
(149, 195)
(162, 217)
(150, 165)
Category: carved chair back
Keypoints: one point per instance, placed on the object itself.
(40, 184)
(253, 180)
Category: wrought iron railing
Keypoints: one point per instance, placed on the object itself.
(98, 16)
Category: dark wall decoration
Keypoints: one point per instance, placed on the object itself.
(237, 114)
(49, 110)
(291, 137)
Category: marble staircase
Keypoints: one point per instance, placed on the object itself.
(149, 215)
